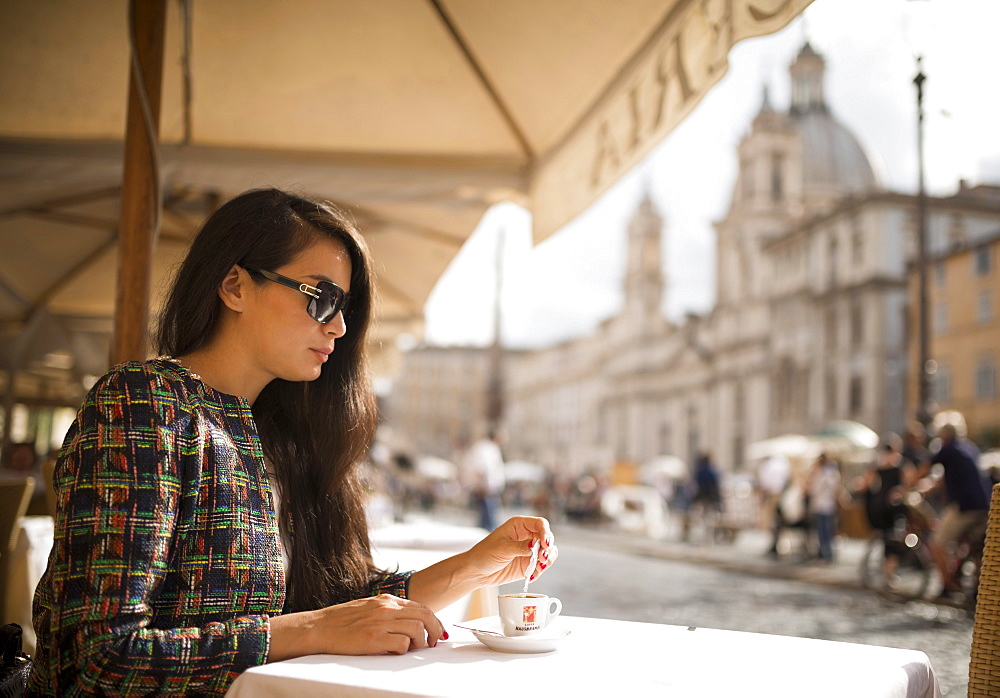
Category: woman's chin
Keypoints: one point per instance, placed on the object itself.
(301, 374)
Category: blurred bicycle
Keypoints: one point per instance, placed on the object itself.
(897, 561)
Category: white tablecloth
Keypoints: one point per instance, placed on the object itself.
(27, 565)
(611, 658)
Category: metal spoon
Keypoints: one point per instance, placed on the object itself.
(531, 565)
(479, 630)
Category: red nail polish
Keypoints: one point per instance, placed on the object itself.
(532, 578)
(445, 635)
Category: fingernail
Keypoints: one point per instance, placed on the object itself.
(532, 578)
(445, 635)
(533, 543)
(543, 565)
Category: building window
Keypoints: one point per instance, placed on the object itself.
(694, 439)
(941, 317)
(739, 401)
(982, 260)
(777, 178)
(939, 272)
(665, 438)
(857, 242)
(985, 306)
(857, 323)
(831, 394)
(831, 328)
(941, 385)
(857, 395)
(957, 233)
(986, 380)
(833, 261)
(785, 392)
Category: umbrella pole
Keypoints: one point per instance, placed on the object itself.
(140, 213)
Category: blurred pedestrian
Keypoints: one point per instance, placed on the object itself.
(706, 503)
(915, 444)
(884, 487)
(772, 479)
(485, 469)
(824, 489)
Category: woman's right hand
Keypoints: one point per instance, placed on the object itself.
(374, 625)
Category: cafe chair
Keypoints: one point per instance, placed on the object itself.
(984, 664)
(14, 498)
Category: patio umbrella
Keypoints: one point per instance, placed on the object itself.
(663, 467)
(523, 471)
(846, 434)
(435, 468)
(415, 115)
(787, 445)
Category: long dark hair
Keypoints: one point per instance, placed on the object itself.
(314, 433)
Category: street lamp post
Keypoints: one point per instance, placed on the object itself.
(495, 386)
(923, 412)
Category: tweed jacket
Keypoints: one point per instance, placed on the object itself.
(165, 566)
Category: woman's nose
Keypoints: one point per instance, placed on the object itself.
(337, 327)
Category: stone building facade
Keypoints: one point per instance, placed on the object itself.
(964, 318)
(810, 323)
(438, 400)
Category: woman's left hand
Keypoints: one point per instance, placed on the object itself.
(504, 555)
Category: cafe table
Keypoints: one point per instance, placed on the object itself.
(609, 658)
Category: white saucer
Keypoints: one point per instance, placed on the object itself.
(547, 641)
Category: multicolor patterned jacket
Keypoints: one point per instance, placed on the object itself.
(165, 567)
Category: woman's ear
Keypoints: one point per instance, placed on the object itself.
(234, 287)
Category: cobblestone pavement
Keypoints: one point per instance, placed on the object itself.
(737, 588)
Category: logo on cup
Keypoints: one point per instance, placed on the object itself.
(529, 614)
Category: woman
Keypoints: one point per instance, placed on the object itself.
(210, 516)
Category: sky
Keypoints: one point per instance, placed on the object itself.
(565, 286)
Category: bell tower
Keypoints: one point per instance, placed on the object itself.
(644, 281)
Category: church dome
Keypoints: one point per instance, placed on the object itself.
(833, 161)
(832, 158)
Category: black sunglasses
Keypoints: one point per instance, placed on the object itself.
(326, 298)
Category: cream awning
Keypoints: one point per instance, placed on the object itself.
(416, 115)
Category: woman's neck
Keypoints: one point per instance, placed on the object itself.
(226, 370)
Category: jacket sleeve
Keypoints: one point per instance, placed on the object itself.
(119, 488)
(395, 583)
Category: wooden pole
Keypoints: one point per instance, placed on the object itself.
(140, 213)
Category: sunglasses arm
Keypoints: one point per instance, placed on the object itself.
(309, 290)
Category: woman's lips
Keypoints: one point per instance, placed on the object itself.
(323, 356)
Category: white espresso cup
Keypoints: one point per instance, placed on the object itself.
(526, 614)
